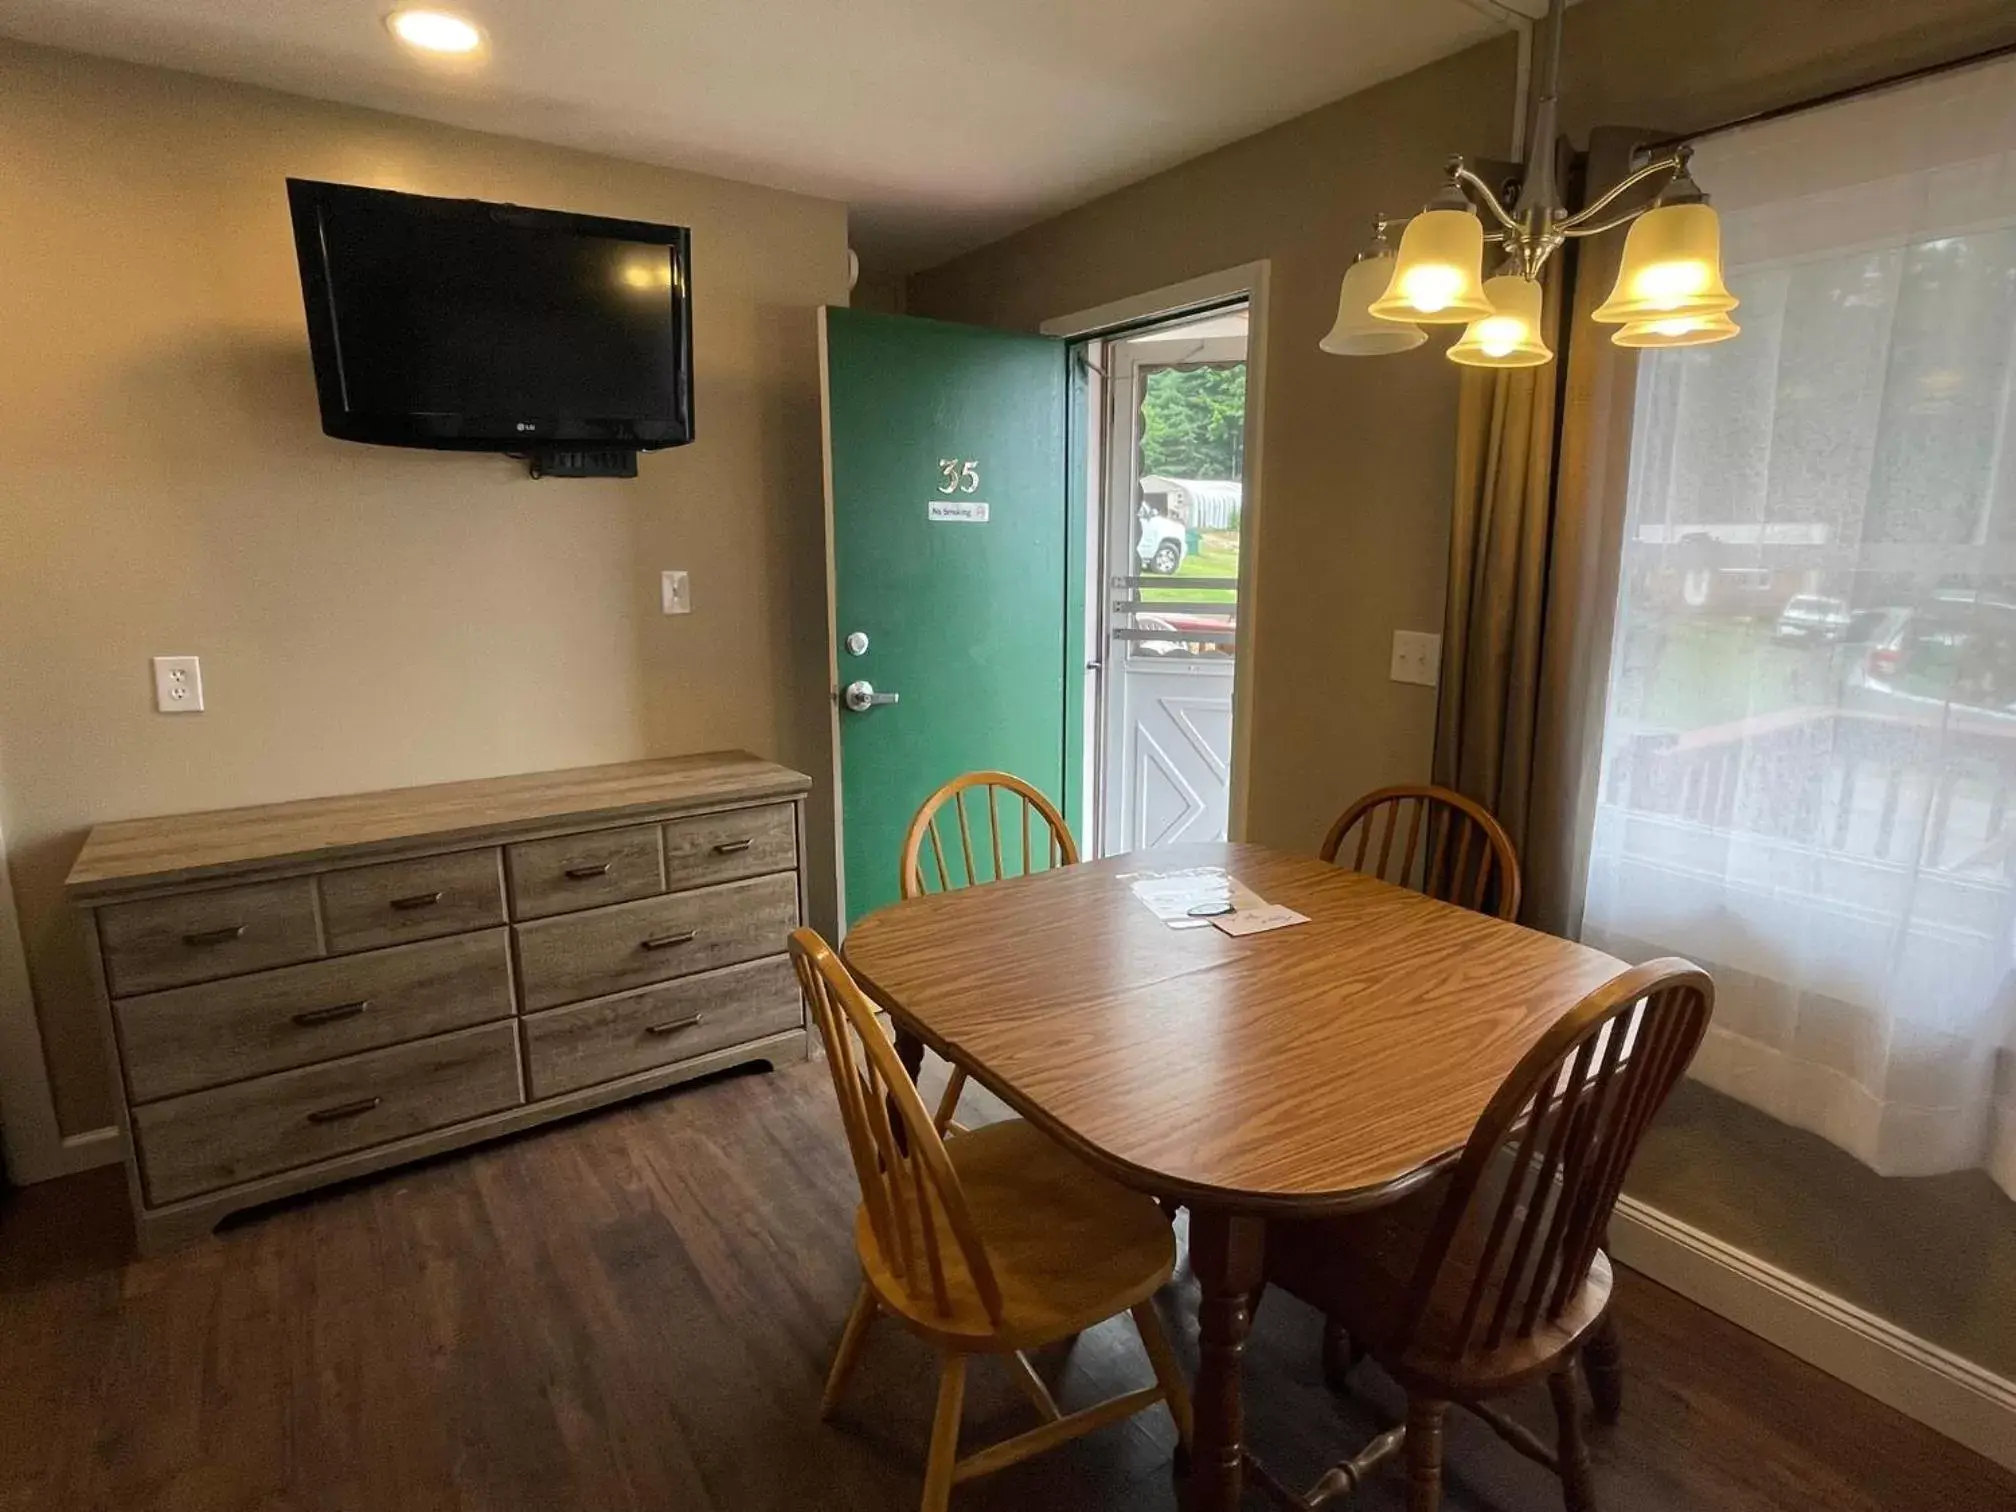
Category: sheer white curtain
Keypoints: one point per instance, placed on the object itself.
(1809, 766)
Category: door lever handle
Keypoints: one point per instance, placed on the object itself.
(861, 697)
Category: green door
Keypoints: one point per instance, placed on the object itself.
(957, 573)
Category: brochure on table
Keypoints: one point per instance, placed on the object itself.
(1197, 897)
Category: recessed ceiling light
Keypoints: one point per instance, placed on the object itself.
(436, 31)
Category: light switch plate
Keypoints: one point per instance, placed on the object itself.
(1417, 657)
(674, 597)
(178, 685)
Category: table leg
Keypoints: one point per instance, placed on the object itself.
(910, 1051)
(1225, 1255)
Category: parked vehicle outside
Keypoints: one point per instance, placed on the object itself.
(1814, 616)
(1950, 659)
(1162, 544)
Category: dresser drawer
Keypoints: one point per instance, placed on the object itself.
(609, 950)
(368, 906)
(584, 871)
(589, 1043)
(215, 1032)
(230, 1134)
(164, 942)
(749, 842)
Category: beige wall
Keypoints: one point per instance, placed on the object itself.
(366, 616)
(881, 292)
(1353, 519)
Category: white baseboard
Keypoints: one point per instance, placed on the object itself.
(1938, 1388)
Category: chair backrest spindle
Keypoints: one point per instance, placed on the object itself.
(917, 1213)
(1453, 827)
(1059, 848)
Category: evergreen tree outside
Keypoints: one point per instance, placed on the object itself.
(1193, 422)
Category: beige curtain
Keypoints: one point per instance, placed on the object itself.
(1534, 542)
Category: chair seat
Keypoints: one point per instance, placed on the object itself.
(1359, 1270)
(1069, 1246)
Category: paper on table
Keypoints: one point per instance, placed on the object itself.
(1171, 895)
(1259, 920)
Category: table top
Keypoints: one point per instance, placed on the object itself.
(1313, 1069)
(245, 842)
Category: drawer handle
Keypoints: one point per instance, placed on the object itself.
(344, 1110)
(666, 942)
(418, 900)
(331, 1014)
(222, 936)
(673, 1026)
(729, 847)
(583, 873)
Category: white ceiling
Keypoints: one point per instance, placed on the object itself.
(944, 123)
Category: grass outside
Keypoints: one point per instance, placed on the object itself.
(1688, 673)
(1217, 556)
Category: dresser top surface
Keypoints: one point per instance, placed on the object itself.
(147, 853)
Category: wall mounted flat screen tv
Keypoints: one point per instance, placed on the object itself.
(469, 326)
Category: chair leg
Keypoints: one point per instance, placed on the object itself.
(1572, 1452)
(1603, 1365)
(852, 1337)
(1424, 1454)
(945, 1434)
(1168, 1374)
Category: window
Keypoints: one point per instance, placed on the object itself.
(1809, 765)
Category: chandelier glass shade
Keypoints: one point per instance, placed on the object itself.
(1511, 335)
(1358, 332)
(1438, 278)
(1677, 331)
(1672, 268)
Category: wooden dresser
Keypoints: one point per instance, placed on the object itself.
(302, 992)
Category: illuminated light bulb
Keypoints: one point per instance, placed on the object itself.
(1432, 288)
(1438, 274)
(1669, 285)
(436, 31)
(1500, 335)
(1511, 335)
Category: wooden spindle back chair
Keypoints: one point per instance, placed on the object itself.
(1508, 1277)
(916, 1211)
(999, 1243)
(1513, 1246)
(1432, 840)
(935, 861)
(978, 848)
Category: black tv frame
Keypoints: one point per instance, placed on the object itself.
(529, 435)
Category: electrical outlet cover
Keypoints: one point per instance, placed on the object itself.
(1417, 658)
(178, 685)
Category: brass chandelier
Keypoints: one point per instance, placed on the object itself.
(1669, 290)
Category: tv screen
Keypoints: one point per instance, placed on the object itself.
(472, 326)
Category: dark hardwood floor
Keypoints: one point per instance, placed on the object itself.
(635, 1311)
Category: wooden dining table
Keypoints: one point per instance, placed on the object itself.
(1308, 1071)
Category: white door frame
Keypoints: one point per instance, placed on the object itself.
(1247, 281)
(1112, 557)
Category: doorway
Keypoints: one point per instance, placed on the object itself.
(1171, 500)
